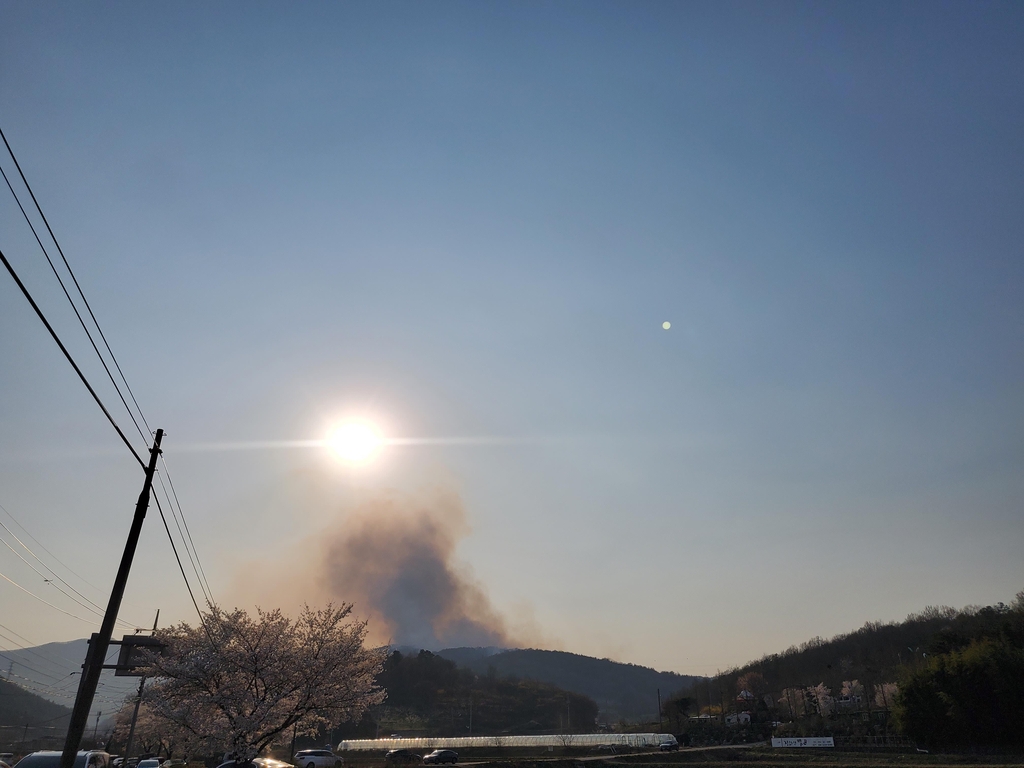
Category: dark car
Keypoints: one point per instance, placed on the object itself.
(441, 756)
(669, 746)
(396, 756)
(48, 759)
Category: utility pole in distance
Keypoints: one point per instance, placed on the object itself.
(101, 641)
(138, 702)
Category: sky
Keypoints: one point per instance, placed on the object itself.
(470, 220)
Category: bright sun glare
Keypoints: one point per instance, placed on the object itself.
(357, 442)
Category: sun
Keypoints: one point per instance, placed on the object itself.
(355, 441)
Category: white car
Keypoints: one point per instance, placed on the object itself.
(317, 758)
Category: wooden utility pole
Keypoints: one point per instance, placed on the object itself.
(100, 642)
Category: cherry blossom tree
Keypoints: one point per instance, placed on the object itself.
(242, 683)
(155, 734)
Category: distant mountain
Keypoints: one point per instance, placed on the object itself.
(466, 657)
(27, 717)
(52, 670)
(622, 691)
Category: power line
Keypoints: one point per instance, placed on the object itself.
(71, 272)
(56, 559)
(70, 359)
(184, 541)
(58, 667)
(30, 643)
(174, 493)
(71, 301)
(19, 663)
(45, 602)
(188, 586)
(179, 516)
(89, 606)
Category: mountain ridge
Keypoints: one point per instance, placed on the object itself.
(622, 691)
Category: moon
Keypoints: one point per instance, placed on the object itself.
(666, 325)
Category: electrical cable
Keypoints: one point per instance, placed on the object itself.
(174, 493)
(43, 547)
(90, 606)
(41, 600)
(56, 559)
(74, 307)
(186, 535)
(30, 643)
(70, 359)
(19, 663)
(184, 541)
(57, 666)
(181, 567)
(71, 272)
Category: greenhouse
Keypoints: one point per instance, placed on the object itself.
(638, 740)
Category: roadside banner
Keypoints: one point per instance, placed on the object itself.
(809, 741)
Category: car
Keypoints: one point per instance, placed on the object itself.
(149, 762)
(439, 756)
(173, 763)
(270, 762)
(669, 746)
(317, 758)
(51, 759)
(395, 756)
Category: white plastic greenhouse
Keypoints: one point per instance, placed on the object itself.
(555, 740)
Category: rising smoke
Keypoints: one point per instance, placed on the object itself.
(394, 557)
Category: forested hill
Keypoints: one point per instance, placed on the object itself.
(19, 708)
(622, 691)
(876, 653)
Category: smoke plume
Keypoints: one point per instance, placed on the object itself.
(394, 557)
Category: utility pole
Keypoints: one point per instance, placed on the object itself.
(138, 702)
(659, 709)
(101, 641)
(96, 728)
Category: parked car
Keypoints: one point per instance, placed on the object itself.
(149, 762)
(395, 756)
(669, 746)
(439, 756)
(51, 759)
(317, 758)
(271, 762)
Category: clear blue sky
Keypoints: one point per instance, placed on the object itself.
(471, 219)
